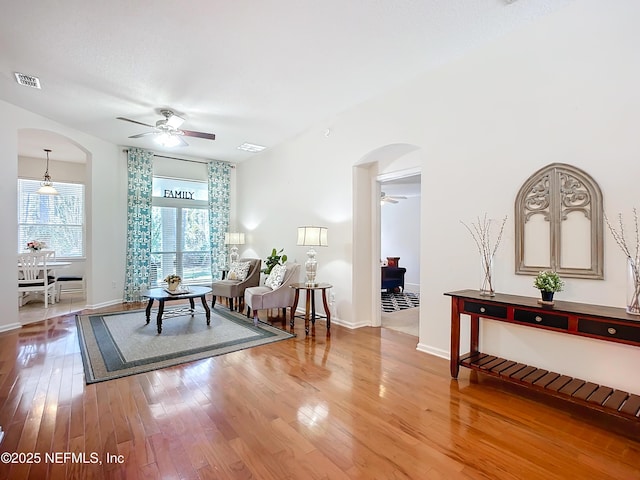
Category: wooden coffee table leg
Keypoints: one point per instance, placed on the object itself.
(159, 318)
(148, 310)
(206, 309)
(193, 306)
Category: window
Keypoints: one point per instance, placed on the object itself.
(558, 219)
(180, 240)
(57, 220)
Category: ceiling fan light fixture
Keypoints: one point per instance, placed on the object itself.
(168, 140)
(46, 186)
(174, 121)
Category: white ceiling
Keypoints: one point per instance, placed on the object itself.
(249, 71)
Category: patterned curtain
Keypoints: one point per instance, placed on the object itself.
(139, 187)
(219, 180)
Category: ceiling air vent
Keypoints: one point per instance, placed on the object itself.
(27, 80)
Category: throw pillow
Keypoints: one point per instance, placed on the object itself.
(238, 271)
(276, 277)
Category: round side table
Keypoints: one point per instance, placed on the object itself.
(310, 307)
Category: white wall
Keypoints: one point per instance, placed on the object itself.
(560, 90)
(70, 172)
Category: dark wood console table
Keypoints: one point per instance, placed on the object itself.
(598, 322)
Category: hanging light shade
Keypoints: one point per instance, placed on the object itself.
(46, 187)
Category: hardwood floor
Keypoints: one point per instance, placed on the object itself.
(363, 404)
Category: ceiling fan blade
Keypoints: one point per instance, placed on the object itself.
(140, 135)
(134, 121)
(191, 133)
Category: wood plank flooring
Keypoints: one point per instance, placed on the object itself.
(362, 404)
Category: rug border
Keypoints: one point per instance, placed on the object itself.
(89, 366)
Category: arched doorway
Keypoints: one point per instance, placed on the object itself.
(69, 165)
(399, 158)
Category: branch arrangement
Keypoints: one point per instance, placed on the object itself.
(634, 259)
(481, 233)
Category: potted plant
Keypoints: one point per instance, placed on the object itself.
(276, 258)
(173, 281)
(548, 282)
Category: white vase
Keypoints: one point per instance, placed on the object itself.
(486, 277)
(633, 286)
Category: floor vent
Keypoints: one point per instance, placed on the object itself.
(27, 80)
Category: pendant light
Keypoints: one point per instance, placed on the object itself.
(46, 187)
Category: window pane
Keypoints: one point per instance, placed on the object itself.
(163, 229)
(58, 220)
(180, 244)
(195, 227)
(196, 258)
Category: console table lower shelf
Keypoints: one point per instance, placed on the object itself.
(599, 397)
(596, 322)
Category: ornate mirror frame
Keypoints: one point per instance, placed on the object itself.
(555, 191)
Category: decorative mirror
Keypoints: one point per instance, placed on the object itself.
(559, 223)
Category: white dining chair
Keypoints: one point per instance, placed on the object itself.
(33, 277)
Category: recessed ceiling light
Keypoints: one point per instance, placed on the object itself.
(251, 147)
(27, 80)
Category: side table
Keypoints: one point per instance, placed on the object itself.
(310, 308)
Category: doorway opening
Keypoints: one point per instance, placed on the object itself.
(400, 199)
(380, 165)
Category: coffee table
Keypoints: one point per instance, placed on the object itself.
(162, 296)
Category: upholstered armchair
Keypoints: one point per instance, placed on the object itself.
(280, 296)
(393, 278)
(233, 286)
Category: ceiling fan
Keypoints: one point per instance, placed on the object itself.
(168, 130)
(384, 198)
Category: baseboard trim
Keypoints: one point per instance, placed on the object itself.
(11, 326)
(108, 303)
(438, 352)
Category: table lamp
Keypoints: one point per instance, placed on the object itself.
(312, 237)
(234, 239)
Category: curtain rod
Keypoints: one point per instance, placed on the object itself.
(126, 150)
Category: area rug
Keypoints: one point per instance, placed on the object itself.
(119, 344)
(394, 302)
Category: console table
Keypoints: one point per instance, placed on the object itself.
(593, 321)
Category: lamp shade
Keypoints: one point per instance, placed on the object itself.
(46, 187)
(47, 190)
(234, 238)
(312, 236)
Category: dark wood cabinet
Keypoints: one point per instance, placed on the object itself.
(598, 322)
